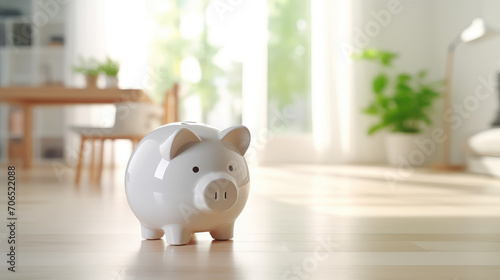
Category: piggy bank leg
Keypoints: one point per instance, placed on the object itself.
(224, 232)
(151, 233)
(176, 234)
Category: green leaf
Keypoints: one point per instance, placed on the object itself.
(382, 101)
(403, 90)
(403, 78)
(384, 57)
(380, 83)
(370, 54)
(375, 128)
(371, 110)
(387, 57)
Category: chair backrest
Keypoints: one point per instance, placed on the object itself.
(136, 118)
(171, 105)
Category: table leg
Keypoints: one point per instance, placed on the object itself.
(92, 159)
(101, 158)
(80, 161)
(28, 136)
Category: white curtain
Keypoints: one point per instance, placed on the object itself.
(335, 110)
(339, 89)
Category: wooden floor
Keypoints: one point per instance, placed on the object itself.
(301, 222)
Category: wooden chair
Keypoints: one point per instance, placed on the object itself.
(132, 122)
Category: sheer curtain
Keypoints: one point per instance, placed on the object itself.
(340, 89)
(338, 134)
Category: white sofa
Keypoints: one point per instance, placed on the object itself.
(484, 153)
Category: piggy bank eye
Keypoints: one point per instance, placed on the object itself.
(196, 169)
(230, 168)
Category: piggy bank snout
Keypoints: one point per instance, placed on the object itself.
(216, 192)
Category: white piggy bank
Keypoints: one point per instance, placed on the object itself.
(188, 177)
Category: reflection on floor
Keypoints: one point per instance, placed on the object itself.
(301, 222)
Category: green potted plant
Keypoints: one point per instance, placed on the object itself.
(110, 69)
(90, 68)
(402, 104)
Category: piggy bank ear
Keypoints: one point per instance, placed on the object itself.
(239, 136)
(177, 142)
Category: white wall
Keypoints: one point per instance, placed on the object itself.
(421, 33)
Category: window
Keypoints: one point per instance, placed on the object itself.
(190, 48)
(289, 65)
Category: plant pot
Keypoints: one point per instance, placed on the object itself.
(111, 82)
(402, 149)
(91, 81)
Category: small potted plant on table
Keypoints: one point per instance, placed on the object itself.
(90, 68)
(110, 69)
(402, 104)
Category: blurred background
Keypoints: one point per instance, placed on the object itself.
(284, 68)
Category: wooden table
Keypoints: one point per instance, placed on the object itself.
(28, 97)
